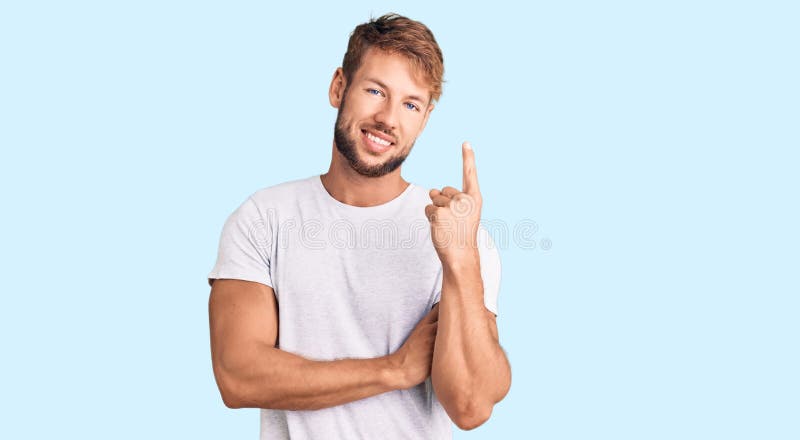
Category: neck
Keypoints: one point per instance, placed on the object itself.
(347, 186)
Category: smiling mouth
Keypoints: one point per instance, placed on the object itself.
(380, 141)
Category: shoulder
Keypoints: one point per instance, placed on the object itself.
(282, 193)
(262, 206)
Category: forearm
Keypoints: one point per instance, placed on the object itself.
(271, 378)
(470, 372)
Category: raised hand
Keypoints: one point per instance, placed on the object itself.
(455, 215)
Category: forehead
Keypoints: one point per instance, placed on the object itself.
(395, 71)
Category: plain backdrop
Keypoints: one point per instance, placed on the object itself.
(641, 158)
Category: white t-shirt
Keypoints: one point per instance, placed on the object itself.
(350, 282)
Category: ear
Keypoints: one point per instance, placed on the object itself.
(336, 91)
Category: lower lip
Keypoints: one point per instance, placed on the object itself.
(373, 146)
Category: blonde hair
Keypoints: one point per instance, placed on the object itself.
(396, 34)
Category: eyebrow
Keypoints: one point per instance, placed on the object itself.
(378, 82)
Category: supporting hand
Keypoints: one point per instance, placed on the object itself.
(413, 359)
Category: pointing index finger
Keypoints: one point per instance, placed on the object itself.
(470, 182)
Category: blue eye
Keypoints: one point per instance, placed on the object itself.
(374, 92)
(411, 106)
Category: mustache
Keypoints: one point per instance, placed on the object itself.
(383, 128)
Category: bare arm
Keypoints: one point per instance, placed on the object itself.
(252, 373)
(470, 370)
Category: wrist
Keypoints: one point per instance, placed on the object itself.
(463, 261)
(392, 375)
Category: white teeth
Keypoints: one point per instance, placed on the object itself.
(378, 140)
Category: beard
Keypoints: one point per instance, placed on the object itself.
(346, 145)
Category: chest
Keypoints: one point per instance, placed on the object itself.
(352, 297)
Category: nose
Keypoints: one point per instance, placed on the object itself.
(387, 114)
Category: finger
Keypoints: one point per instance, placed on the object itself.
(470, 181)
(434, 192)
(430, 212)
(449, 191)
(442, 201)
(433, 315)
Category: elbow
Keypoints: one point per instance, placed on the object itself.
(467, 410)
(238, 393)
(232, 390)
(231, 401)
(469, 416)
(472, 416)
(228, 391)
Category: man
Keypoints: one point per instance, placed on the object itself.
(347, 305)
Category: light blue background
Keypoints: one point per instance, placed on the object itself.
(653, 143)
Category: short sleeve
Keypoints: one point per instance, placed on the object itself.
(490, 269)
(245, 247)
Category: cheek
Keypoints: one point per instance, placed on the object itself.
(413, 125)
(360, 104)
